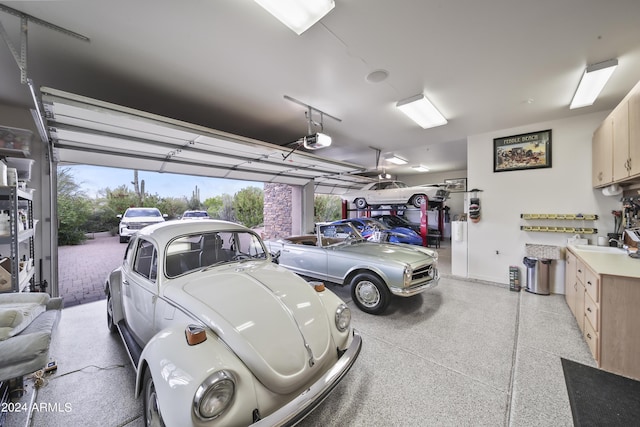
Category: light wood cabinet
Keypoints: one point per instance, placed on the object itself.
(634, 132)
(602, 154)
(616, 144)
(606, 309)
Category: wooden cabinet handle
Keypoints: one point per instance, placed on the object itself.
(588, 283)
(589, 309)
(579, 271)
(589, 336)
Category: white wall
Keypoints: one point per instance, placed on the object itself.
(496, 242)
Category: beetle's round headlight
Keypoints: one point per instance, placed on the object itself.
(214, 395)
(343, 317)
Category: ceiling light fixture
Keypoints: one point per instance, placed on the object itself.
(396, 160)
(419, 109)
(592, 83)
(420, 168)
(298, 15)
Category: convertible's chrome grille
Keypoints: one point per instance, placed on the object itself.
(423, 272)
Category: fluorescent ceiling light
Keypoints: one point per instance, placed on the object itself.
(298, 15)
(420, 168)
(592, 83)
(317, 140)
(392, 158)
(421, 110)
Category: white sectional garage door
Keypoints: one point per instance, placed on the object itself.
(88, 131)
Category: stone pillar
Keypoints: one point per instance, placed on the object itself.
(277, 210)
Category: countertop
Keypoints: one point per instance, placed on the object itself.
(608, 263)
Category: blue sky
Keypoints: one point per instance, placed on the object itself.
(94, 178)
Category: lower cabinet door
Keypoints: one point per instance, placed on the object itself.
(591, 336)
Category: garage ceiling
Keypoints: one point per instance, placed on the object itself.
(91, 131)
(228, 64)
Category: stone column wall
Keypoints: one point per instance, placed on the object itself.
(277, 210)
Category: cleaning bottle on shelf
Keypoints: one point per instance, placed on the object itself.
(4, 224)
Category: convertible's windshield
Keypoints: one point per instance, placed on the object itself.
(339, 233)
(202, 250)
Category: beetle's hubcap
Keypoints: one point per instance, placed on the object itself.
(367, 293)
(154, 419)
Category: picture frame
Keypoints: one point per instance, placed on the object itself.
(520, 152)
(456, 185)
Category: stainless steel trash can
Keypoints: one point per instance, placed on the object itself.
(537, 275)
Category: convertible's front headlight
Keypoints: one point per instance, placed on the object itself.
(408, 275)
(214, 395)
(343, 317)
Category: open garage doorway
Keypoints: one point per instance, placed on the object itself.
(91, 197)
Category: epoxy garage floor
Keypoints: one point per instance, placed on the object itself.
(464, 353)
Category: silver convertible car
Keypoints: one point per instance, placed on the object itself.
(220, 335)
(339, 254)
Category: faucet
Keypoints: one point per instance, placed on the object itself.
(621, 245)
(617, 241)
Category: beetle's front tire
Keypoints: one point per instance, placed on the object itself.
(369, 293)
(110, 324)
(152, 414)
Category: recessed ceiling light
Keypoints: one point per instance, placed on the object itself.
(420, 168)
(377, 76)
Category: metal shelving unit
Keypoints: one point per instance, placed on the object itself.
(20, 241)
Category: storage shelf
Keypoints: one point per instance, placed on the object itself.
(551, 229)
(578, 217)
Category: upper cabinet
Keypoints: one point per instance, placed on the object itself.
(634, 132)
(602, 155)
(616, 143)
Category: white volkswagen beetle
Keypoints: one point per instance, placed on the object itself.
(219, 334)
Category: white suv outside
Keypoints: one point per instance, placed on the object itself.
(135, 219)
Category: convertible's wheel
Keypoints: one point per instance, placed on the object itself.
(369, 293)
(152, 415)
(360, 203)
(110, 324)
(417, 200)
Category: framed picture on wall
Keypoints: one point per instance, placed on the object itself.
(456, 185)
(525, 151)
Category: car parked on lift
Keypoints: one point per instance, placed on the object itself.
(339, 254)
(135, 219)
(374, 230)
(219, 334)
(392, 193)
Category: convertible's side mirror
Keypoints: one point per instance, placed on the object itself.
(275, 257)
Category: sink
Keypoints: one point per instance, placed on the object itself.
(601, 249)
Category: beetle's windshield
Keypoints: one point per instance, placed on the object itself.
(195, 252)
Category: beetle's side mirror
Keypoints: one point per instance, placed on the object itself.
(275, 257)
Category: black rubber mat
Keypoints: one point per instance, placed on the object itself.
(600, 398)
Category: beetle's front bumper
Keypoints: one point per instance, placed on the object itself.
(294, 411)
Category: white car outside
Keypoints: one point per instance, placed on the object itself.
(195, 215)
(219, 334)
(135, 219)
(394, 193)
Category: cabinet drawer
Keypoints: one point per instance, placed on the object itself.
(592, 285)
(592, 338)
(591, 312)
(580, 270)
